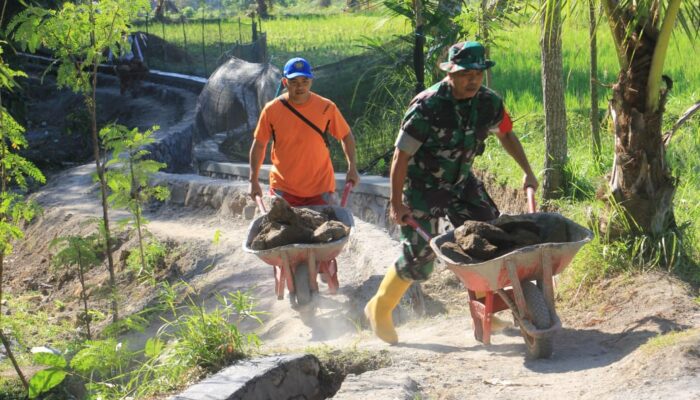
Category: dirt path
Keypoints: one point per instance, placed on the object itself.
(598, 353)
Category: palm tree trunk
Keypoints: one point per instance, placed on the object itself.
(641, 182)
(554, 107)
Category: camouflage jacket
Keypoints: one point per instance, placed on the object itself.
(444, 135)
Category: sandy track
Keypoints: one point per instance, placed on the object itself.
(597, 354)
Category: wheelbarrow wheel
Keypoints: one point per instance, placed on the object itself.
(302, 287)
(537, 347)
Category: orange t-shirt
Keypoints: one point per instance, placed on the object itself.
(301, 164)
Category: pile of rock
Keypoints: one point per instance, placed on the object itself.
(480, 241)
(286, 225)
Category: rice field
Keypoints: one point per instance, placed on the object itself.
(322, 39)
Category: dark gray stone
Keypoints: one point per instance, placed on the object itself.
(284, 377)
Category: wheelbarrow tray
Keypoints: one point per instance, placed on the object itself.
(493, 274)
(298, 252)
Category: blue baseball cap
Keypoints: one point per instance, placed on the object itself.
(297, 67)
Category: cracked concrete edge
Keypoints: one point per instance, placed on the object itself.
(272, 377)
(385, 384)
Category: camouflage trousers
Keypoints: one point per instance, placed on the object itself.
(417, 259)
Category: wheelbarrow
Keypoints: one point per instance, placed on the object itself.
(511, 277)
(298, 265)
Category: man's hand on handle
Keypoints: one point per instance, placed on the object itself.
(529, 180)
(353, 176)
(398, 211)
(254, 189)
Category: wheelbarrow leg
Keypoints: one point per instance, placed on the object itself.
(278, 273)
(482, 312)
(313, 271)
(476, 309)
(333, 283)
(488, 313)
(329, 275)
(288, 279)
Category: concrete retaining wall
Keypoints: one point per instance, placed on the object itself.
(278, 377)
(368, 201)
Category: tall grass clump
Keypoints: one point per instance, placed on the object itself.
(390, 89)
(192, 341)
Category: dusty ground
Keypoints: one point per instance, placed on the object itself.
(598, 353)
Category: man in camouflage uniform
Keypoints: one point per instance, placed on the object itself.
(443, 130)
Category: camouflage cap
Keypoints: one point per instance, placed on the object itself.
(466, 55)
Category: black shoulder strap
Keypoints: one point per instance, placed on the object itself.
(323, 133)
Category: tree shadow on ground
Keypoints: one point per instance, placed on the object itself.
(583, 349)
(574, 349)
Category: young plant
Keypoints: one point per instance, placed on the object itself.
(129, 179)
(153, 256)
(80, 252)
(101, 364)
(15, 171)
(209, 339)
(78, 33)
(50, 377)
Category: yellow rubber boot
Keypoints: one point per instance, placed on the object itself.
(378, 309)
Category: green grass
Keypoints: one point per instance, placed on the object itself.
(322, 39)
(662, 342)
(12, 389)
(29, 326)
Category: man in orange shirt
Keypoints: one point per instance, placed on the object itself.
(299, 123)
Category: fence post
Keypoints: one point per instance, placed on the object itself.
(240, 34)
(184, 36)
(255, 32)
(263, 47)
(162, 25)
(204, 53)
(221, 45)
(147, 24)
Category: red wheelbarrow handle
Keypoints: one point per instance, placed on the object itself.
(261, 205)
(410, 221)
(343, 202)
(346, 192)
(531, 205)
